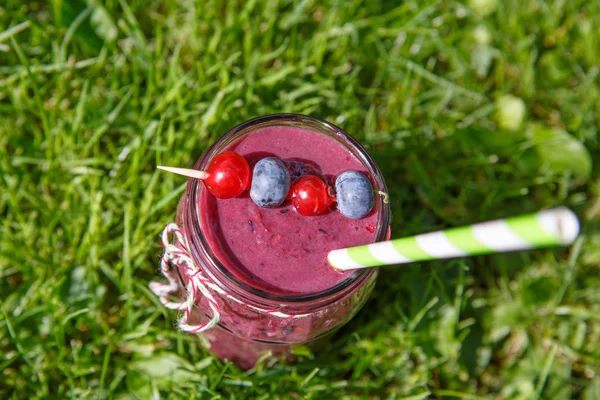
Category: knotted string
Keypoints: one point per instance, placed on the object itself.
(177, 255)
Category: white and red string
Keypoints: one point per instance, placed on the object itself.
(177, 254)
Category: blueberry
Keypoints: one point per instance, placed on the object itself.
(354, 194)
(270, 183)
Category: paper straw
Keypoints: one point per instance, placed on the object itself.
(554, 227)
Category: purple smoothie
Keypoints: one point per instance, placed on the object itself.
(278, 291)
(278, 250)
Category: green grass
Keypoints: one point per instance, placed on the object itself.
(93, 97)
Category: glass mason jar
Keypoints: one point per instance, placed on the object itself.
(254, 321)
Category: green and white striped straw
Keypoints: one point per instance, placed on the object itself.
(555, 227)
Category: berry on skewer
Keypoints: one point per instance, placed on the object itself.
(354, 194)
(310, 196)
(228, 175)
(270, 183)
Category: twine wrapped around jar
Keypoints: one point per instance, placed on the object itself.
(177, 253)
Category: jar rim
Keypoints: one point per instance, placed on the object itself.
(200, 247)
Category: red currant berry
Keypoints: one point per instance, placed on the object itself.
(310, 195)
(228, 175)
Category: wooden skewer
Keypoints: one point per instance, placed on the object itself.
(192, 173)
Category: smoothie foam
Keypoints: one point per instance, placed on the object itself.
(279, 250)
